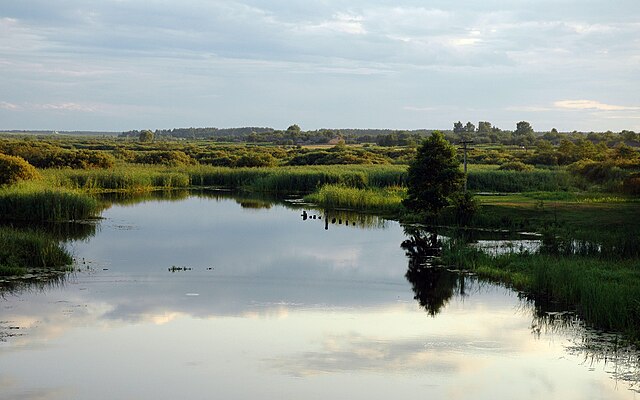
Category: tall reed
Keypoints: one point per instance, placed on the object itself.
(22, 250)
(339, 196)
(25, 203)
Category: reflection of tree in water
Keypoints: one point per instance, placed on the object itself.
(432, 285)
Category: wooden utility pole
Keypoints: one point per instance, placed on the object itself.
(464, 144)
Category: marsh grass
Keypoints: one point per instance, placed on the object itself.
(34, 203)
(386, 200)
(123, 178)
(304, 179)
(604, 291)
(23, 250)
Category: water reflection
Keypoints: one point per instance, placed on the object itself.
(333, 312)
(620, 358)
(343, 218)
(61, 231)
(432, 285)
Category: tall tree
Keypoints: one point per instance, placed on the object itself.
(433, 176)
(523, 128)
(458, 128)
(146, 136)
(484, 128)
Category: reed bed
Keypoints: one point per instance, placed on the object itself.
(123, 178)
(297, 179)
(387, 200)
(303, 179)
(604, 291)
(22, 250)
(31, 203)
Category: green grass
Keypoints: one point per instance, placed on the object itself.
(573, 216)
(34, 203)
(605, 292)
(385, 200)
(490, 180)
(23, 250)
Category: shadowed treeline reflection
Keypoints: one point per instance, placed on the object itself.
(433, 286)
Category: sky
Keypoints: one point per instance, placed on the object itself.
(113, 65)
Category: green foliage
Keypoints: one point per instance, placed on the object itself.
(387, 200)
(146, 136)
(433, 176)
(47, 155)
(516, 181)
(516, 166)
(161, 157)
(257, 160)
(597, 172)
(37, 204)
(523, 128)
(631, 184)
(14, 169)
(20, 250)
(465, 206)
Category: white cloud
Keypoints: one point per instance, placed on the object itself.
(8, 106)
(415, 108)
(590, 105)
(66, 107)
(341, 22)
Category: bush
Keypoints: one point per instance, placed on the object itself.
(631, 185)
(160, 157)
(516, 166)
(597, 172)
(14, 169)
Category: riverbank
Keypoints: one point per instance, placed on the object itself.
(605, 292)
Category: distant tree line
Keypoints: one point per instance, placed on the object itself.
(484, 133)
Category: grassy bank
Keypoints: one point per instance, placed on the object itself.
(22, 250)
(380, 200)
(605, 292)
(36, 203)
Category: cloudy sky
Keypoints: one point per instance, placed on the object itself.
(403, 64)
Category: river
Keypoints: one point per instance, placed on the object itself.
(213, 296)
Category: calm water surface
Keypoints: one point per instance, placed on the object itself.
(273, 306)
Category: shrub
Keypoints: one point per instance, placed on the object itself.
(516, 166)
(14, 169)
(631, 185)
(160, 157)
(597, 172)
